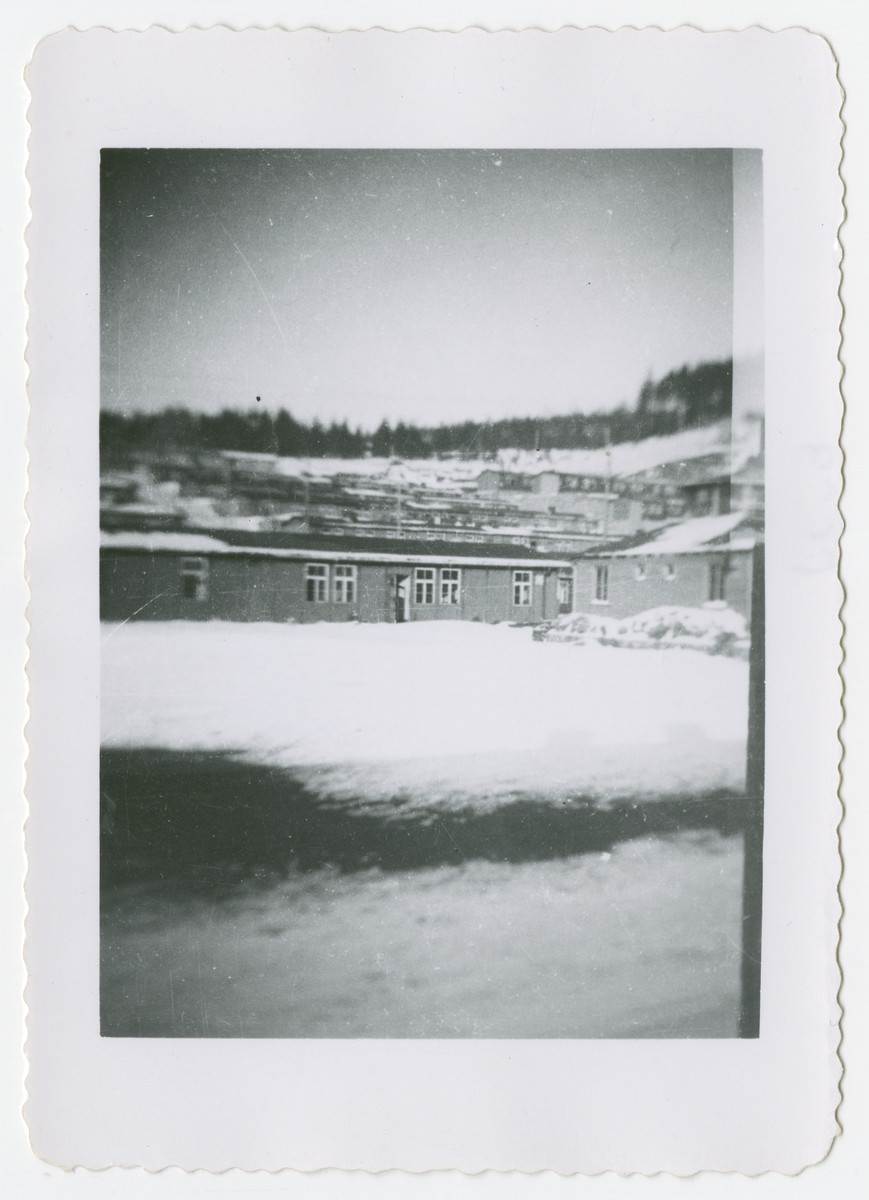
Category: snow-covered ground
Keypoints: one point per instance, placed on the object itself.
(439, 714)
(506, 928)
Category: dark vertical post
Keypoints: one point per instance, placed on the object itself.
(752, 880)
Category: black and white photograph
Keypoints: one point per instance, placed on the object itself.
(433, 471)
(431, 590)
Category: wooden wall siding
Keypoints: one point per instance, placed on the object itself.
(147, 587)
(629, 595)
(487, 595)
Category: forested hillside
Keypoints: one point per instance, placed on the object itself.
(689, 397)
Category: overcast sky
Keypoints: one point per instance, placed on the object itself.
(432, 286)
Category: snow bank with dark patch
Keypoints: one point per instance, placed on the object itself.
(431, 713)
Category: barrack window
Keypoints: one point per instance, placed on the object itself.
(344, 584)
(317, 582)
(451, 581)
(522, 589)
(424, 580)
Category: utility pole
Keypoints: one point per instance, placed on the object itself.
(607, 481)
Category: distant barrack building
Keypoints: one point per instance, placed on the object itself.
(703, 562)
(250, 536)
(243, 576)
(277, 577)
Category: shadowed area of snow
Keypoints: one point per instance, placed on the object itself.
(441, 713)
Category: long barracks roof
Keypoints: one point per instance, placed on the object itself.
(309, 547)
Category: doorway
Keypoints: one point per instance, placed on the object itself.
(402, 598)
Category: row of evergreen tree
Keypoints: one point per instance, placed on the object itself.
(687, 398)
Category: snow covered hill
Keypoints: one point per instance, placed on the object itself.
(624, 458)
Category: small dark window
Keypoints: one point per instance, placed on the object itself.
(601, 585)
(716, 580)
(194, 578)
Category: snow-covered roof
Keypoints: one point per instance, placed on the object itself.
(751, 471)
(141, 509)
(468, 554)
(689, 537)
(181, 543)
(119, 478)
(253, 524)
(249, 456)
(742, 543)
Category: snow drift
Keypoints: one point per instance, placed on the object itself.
(716, 629)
